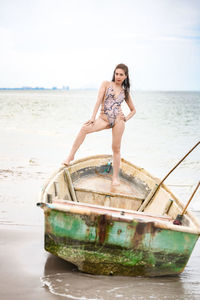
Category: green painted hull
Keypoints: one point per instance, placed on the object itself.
(107, 245)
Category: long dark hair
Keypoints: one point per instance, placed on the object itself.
(126, 82)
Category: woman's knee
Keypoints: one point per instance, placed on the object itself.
(85, 129)
(116, 149)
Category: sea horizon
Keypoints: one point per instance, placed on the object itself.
(92, 89)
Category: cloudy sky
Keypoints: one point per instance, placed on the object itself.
(79, 42)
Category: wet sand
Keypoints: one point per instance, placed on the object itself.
(23, 259)
(25, 265)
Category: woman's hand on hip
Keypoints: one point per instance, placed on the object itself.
(90, 122)
(122, 117)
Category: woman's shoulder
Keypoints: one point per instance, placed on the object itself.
(106, 84)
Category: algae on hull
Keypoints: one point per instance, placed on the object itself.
(103, 245)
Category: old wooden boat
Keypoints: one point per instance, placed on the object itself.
(114, 230)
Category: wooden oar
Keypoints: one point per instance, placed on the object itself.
(157, 186)
(178, 220)
(179, 162)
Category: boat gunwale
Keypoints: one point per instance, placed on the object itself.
(90, 209)
(61, 169)
(111, 209)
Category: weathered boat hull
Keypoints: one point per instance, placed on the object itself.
(108, 244)
(114, 230)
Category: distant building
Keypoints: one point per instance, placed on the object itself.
(65, 87)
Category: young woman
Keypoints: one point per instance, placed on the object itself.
(110, 97)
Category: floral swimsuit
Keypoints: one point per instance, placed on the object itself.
(112, 105)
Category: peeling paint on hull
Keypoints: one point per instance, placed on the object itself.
(102, 244)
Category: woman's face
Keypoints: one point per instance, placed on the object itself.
(119, 76)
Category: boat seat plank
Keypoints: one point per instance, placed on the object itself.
(113, 194)
(160, 204)
(109, 199)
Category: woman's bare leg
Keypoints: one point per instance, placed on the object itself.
(98, 125)
(117, 132)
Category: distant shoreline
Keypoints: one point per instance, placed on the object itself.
(37, 88)
(89, 89)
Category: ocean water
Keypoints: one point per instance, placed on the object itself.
(37, 129)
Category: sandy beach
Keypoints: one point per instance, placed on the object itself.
(22, 261)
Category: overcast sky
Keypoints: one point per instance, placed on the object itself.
(78, 43)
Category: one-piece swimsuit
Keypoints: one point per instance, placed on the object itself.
(112, 105)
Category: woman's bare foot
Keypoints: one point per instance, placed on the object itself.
(67, 161)
(115, 182)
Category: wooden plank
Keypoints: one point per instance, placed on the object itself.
(102, 209)
(70, 186)
(108, 193)
(160, 203)
(148, 198)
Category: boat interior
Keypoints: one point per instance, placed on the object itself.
(89, 182)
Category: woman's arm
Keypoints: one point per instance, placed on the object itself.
(131, 107)
(100, 97)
